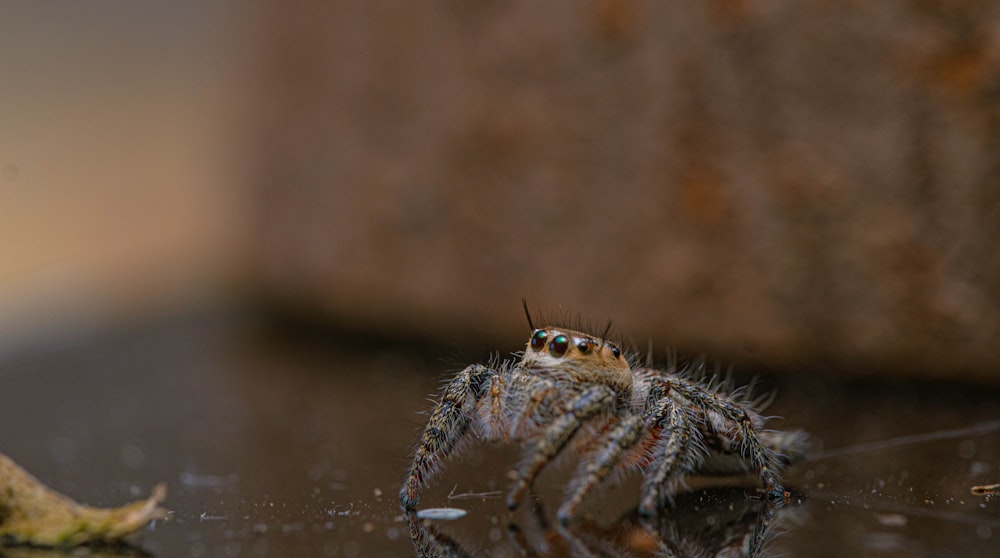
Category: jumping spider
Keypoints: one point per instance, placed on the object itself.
(573, 389)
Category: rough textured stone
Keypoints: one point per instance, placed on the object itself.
(790, 182)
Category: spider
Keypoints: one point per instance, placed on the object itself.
(571, 389)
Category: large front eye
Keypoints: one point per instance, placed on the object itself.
(538, 339)
(559, 345)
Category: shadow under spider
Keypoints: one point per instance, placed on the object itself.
(704, 523)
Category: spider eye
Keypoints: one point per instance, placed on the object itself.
(559, 345)
(616, 351)
(583, 345)
(538, 339)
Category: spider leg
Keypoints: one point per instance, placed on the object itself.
(491, 413)
(449, 422)
(678, 449)
(529, 405)
(429, 541)
(761, 457)
(539, 524)
(622, 437)
(588, 404)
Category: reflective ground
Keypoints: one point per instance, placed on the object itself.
(276, 446)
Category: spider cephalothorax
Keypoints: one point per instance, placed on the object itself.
(570, 389)
(563, 354)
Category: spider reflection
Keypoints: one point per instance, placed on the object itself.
(708, 523)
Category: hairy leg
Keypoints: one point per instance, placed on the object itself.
(491, 411)
(760, 457)
(623, 436)
(429, 541)
(588, 404)
(678, 451)
(528, 406)
(448, 423)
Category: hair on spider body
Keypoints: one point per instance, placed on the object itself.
(570, 391)
(570, 320)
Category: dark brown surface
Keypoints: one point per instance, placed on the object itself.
(274, 445)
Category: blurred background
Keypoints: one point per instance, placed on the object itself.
(809, 190)
(779, 182)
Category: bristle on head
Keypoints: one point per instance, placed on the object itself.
(527, 314)
(567, 319)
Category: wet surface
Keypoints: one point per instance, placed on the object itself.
(279, 448)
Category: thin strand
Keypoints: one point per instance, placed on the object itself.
(527, 314)
(980, 429)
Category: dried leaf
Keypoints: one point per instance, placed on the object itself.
(33, 514)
